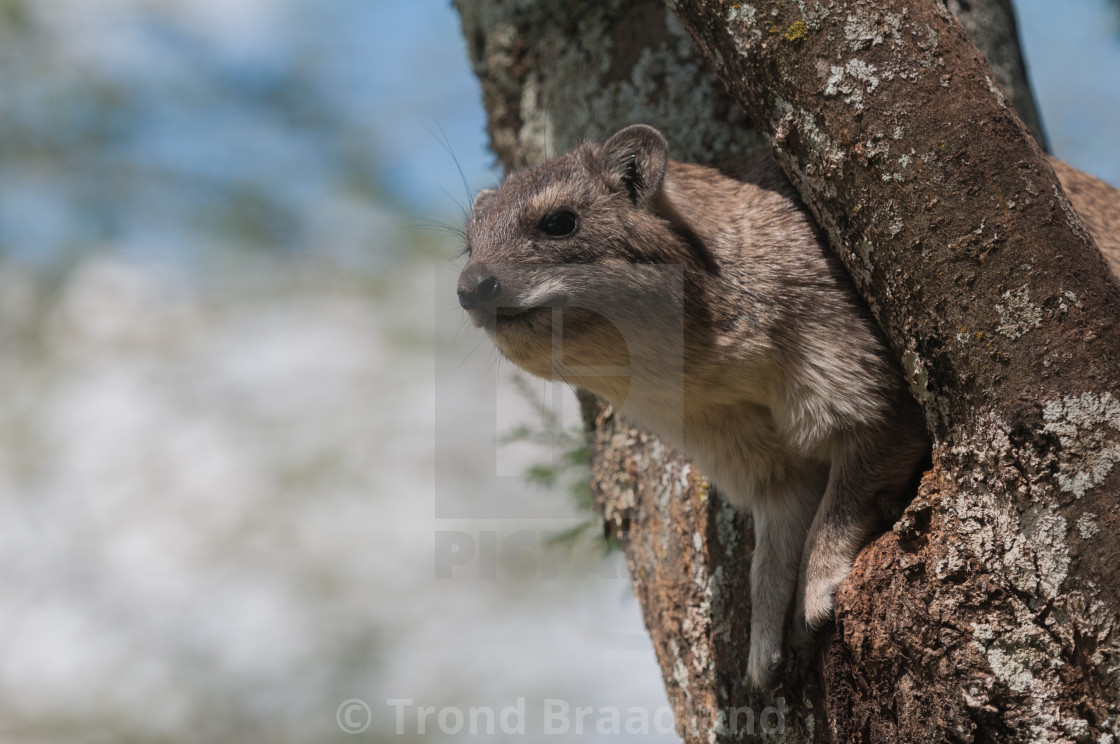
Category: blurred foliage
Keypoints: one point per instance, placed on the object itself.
(209, 479)
(567, 467)
(135, 127)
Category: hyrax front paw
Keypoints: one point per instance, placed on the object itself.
(818, 603)
(827, 561)
(764, 662)
(820, 583)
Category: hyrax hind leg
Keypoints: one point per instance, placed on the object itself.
(781, 522)
(869, 469)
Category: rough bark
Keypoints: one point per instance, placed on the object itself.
(987, 613)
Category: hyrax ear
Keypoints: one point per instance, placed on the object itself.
(481, 198)
(637, 157)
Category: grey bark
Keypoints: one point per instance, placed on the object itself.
(993, 535)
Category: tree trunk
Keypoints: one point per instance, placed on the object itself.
(987, 613)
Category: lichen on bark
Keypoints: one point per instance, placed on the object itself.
(554, 74)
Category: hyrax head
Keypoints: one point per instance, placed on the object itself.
(569, 263)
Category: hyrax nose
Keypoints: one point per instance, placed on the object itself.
(477, 286)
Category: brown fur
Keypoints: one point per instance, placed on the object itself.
(703, 305)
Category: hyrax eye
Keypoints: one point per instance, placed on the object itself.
(560, 223)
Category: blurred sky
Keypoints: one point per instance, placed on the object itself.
(1073, 59)
(194, 127)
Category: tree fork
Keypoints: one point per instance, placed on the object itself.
(988, 612)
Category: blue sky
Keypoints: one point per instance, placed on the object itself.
(1073, 59)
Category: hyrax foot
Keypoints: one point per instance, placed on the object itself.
(820, 587)
(764, 662)
(818, 604)
(827, 562)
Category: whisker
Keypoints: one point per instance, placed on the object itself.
(437, 227)
(495, 360)
(458, 166)
(469, 354)
(462, 209)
